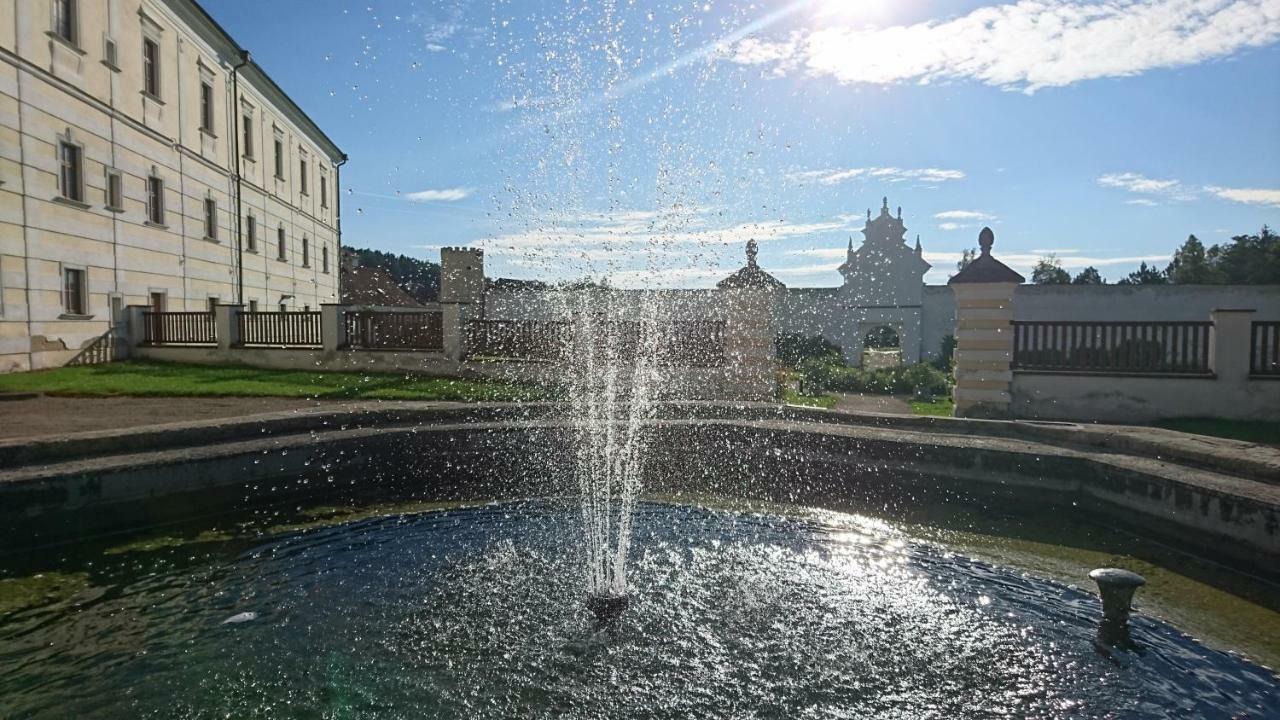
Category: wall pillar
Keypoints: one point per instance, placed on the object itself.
(333, 326)
(1230, 342)
(135, 332)
(750, 333)
(227, 326)
(454, 317)
(984, 334)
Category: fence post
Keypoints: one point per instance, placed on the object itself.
(226, 326)
(984, 333)
(1230, 344)
(333, 326)
(453, 321)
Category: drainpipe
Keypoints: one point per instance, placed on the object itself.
(337, 208)
(239, 165)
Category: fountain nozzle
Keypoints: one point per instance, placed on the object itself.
(1117, 588)
(607, 609)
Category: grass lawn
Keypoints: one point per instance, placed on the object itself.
(1256, 431)
(940, 407)
(153, 379)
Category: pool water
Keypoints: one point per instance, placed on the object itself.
(478, 612)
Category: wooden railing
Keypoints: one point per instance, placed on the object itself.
(388, 330)
(527, 340)
(689, 343)
(281, 329)
(1264, 349)
(179, 328)
(101, 350)
(1165, 348)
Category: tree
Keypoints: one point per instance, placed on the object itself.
(1191, 266)
(1089, 276)
(419, 278)
(1049, 272)
(1249, 259)
(1145, 275)
(966, 257)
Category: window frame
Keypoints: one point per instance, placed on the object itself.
(113, 191)
(324, 190)
(302, 172)
(306, 252)
(324, 259)
(151, 85)
(282, 247)
(81, 310)
(279, 164)
(76, 188)
(211, 219)
(250, 233)
(65, 15)
(155, 201)
(246, 133)
(207, 106)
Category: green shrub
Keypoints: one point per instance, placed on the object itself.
(920, 379)
(794, 349)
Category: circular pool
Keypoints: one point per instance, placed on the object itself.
(478, 612)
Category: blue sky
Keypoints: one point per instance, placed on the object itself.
(648, 141)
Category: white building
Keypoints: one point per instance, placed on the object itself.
(146, 159)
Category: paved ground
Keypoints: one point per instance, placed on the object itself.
(55, 415)
(853, 402)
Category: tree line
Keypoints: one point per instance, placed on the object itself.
(1245, 260)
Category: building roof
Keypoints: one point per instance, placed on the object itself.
(198, 19)
(371, 285)
(985, 268)
(751, 275)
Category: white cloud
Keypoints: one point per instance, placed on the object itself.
(948, 226)
(964, 215)
(1141, 201)
(884, 174)
(1026, 45)
(1055, 251)
(1248, 196)
(443, 195)
(1135, 183)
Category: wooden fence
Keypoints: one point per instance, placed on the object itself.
(280, 329)
(386, 330)
(1165, 348)
(1264, 349)
(179, 328)
(527, 340)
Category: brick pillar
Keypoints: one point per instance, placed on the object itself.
(984, 333)
(1230, 342)
(135, 327)
(333, 326)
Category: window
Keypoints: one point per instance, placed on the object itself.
(115, 190)
(109, 52)
(251, 233)
(306, 253)
(151, 67)
(247, 122)
(279, 158)
(74, 300)
(210, 219)
(302, 175)
(324, 259)
(282, 252)
(253, 306)
(64, 20)
(324, 191)
(70, 179)
(155, 200)
(213, 304)
(284, 307)
(206, 107)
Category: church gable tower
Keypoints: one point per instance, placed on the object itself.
(884, 270)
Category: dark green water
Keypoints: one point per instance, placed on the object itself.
(477, 612)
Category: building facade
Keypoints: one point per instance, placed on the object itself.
(146, 159)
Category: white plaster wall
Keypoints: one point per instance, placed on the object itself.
(1141, 399)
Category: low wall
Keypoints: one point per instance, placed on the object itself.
(1091, 397)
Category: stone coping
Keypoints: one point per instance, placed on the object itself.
(1222, 456)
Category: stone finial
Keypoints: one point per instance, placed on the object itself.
(884, 209)
(899, 212)
(752, 251)
(919, 249)
(986, 239)
(868, 214)
(851, 241)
